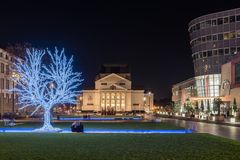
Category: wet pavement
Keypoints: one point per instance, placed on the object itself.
(231, 132)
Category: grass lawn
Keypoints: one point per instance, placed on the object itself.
(29, 146)
(102, 125)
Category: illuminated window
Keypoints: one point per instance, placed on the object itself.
(2, 68)
(226, 36)
(232, 35)
(113, 96)
(123, 103)
(108, 96)
(118, 95)
(103, 96)
(123, 96)
(107, 103)
(238, 34)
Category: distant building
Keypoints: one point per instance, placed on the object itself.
(183, 90)
(114, 93)
(7, 101)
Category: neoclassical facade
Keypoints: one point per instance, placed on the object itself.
(7, 100)
(113, 93)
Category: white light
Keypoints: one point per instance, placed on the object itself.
(33, 86)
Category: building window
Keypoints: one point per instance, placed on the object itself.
(104, 84)
(208, 23)
(214, 22)
(220, 21)
(214, 37)
(2, 68)
(6, 57)
(203, 39)
(226, 51)
(226, 36)
(7, 84)
(209, 53)
(220, 36)
(220, 52)
(209, 37)
(238, 18)
(204, 54)
(238, 34)
(215, 52)
(232, 19)
(237, 73)
(7, 69)
(232, 35)
(225, 20)
(121, 84)
(2, 83)
(233, 50)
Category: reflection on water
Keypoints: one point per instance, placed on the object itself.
(215, 129)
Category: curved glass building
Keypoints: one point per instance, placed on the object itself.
(214, 40)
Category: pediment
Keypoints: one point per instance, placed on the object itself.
(113, 78)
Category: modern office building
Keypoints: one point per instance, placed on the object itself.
(214, 40)
(113, 93)
(7, 99)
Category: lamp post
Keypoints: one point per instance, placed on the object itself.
(149, 97)
(144, 100)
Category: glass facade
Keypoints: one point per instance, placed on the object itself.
(208, 85)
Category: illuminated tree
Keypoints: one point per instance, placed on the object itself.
(217, 102)
(46, 86)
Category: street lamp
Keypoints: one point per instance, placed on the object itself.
(149, 96)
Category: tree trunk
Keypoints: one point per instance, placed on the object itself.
(47, 118)
(219, 110)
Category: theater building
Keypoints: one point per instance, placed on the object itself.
(113, 93)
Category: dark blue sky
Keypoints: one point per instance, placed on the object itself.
(150, 36)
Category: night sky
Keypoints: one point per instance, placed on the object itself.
(151, 37)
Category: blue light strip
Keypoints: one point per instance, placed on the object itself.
(96, 119)
(129, 131)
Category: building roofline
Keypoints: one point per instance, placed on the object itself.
(184, 82)
(190, 23)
